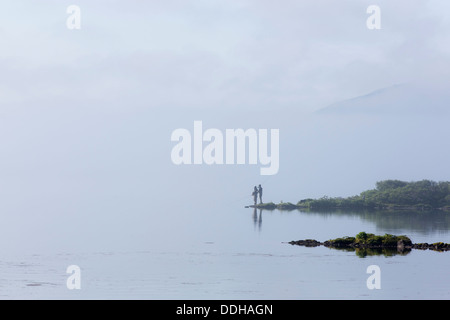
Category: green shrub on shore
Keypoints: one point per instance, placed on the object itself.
(390, 194)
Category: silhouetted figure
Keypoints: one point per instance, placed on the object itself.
(255, 195)
(260, 189)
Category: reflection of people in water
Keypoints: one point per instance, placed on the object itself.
(257, 221)
(255, 195)
(260, 189)
(260, 219)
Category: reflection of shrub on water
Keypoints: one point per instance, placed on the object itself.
(387, 252)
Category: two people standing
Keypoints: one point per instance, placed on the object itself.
(256, 192)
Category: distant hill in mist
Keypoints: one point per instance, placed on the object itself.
(403, 99)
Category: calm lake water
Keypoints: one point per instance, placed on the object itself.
(234, 253)
(98, 189)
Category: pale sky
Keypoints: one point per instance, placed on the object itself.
(218, 54)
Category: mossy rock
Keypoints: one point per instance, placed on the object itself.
(266, 206)
(286, 206)
(340, 242)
